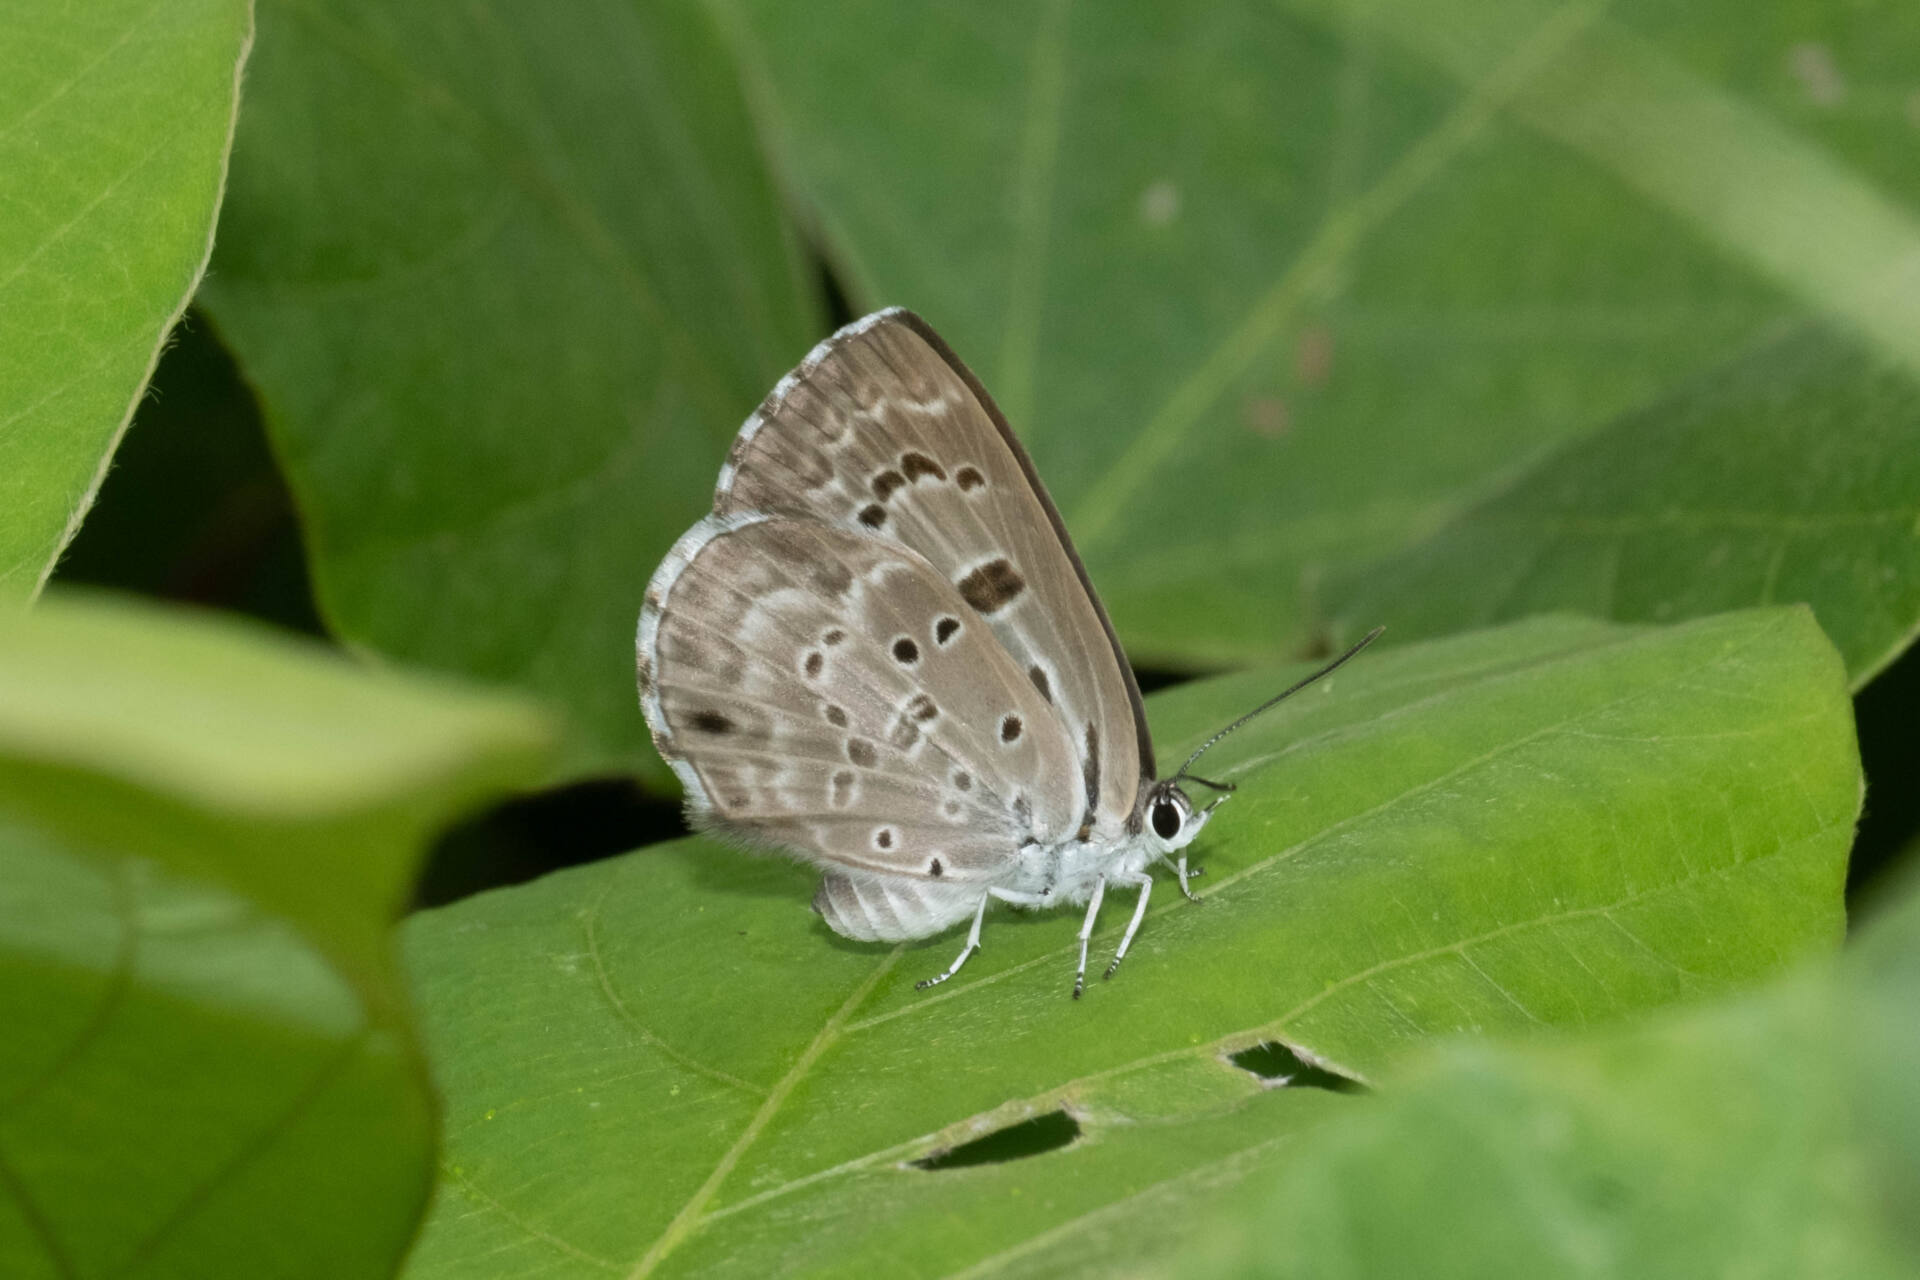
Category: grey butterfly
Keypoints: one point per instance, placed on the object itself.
(881, 654)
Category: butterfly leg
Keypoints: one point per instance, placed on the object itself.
(1086, 931)
(1186, 875)
(1145, 884)
(973, 935)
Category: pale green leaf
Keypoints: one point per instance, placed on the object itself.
(205, 832)
(1774, 1137)
(115, 118)
(665, 1065)
(1792, 474)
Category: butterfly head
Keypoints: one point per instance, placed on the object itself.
(1172, 818)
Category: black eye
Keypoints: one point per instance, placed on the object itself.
(1166, 819)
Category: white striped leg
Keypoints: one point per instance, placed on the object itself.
(973, 934)
(1145, 884)
(1186, 875)
(1086, 931)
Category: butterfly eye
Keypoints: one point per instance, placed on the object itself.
(1166, 819)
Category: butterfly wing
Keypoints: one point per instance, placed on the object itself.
(830, 693)
(884, 432)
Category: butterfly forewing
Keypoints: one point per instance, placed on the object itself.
(882, 432)
(831, 693)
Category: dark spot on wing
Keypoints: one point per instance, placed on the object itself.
(951, 808)
(943, 630)
(922, 707)
(969, 478)
(1090, 767)
(905, 651)
(832, 578)
(963, 780)
(1090, 771)
(883, 838)
(710, 722)
(1010, 727)
(873, 515)
(886, 482)
(917, 465)
(935, 870)
(1023, 810)
(833, 637)
(815, 662)
(861, 752)
(991, 586)
(836, 716)
(904, 733)
(843, 788)
(1039, 678)
(643, 669)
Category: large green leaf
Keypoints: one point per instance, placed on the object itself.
(1777, 1136)
(507, 279)
(1791, 474)
(665, 1064)
(205, 831)
(115, 118)
(1272, 288)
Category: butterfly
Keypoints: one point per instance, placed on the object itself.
(880, 653)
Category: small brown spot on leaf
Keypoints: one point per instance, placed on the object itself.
(1313, 355)
(1267, 416)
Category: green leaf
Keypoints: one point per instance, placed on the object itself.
(665, 1065)
(1271, 289)
(1792, 474)
(1776, 1136)
(507, 281)
(115, 118)
(205, 832)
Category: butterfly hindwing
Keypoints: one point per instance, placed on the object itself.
(882, 432)
(831, 693)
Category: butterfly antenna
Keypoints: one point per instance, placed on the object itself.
(1269, 704)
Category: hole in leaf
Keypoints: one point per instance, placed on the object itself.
(1033, 1137)
(1281, 1067)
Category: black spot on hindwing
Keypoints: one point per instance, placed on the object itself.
(873, 515)
(943, 630)
(710, 722)
(861, 752)
(969, 478)
(905, 651)
(886, 482)
(1040, 682)
(1010, 728)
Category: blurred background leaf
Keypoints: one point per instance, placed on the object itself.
(205, 834)
(1271, 290)
(115, 119)
(665, 1064)
(1793, 473)
(1774, 1136)
(507, 282)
